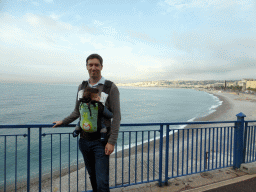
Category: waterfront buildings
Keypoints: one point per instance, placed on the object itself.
(244, 84)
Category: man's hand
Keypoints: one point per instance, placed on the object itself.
(109, 148)
(57, 123)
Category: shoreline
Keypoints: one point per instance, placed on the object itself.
(219, 111)
(226, 111)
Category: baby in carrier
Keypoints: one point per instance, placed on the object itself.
(92, 110)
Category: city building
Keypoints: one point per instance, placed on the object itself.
(251, 84)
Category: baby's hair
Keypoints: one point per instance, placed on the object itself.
(88, 91)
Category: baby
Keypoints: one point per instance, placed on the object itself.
(91, 96)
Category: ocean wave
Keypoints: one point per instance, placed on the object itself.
(210, 110)
(213, 108)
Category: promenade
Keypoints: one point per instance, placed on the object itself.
(222, 180)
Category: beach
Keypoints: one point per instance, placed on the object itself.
(232, 104)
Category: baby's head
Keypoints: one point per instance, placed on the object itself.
(91, 93)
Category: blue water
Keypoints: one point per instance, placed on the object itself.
(34, 103)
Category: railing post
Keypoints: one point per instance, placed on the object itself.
(167, 155)
(245, 141)
(160, 155)
(40, 159)
(5, 151)
(28, 162)
(239, 141)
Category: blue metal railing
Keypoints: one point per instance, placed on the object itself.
(51, 159)
(198, 150)
(249, 150)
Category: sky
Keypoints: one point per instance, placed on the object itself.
(139, 40)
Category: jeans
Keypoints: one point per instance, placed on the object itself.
(97, 163)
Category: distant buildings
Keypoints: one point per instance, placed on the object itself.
(241, 85)
(251, 84)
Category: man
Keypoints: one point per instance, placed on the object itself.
(95, 151)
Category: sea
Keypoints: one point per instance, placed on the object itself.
(43, 103)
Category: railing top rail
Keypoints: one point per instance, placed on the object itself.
(34, 126)
(251, 121)
(123, 125)
(177, 123)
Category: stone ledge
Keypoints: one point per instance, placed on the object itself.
(249, 168)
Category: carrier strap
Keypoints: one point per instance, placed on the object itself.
(106, 87)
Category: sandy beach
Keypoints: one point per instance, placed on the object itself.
(231, 106)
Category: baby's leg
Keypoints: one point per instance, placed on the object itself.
(103, 131)
(107, 113)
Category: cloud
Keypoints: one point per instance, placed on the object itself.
(212, 8)
(214, 45)
(218, 4)
(33, 31)
(192, 71)
(195, 44)
(32, 19)
(98, 23)
(55, 17)
(177, 3)
(50, 48)
(110, 31)
(131, 66)
(231, 59)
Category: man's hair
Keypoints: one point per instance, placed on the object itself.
(95, 56)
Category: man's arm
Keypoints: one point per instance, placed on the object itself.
(73, 116)
(114, 105)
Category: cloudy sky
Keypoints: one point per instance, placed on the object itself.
(49, 40)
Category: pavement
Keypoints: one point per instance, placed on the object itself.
(221, 180)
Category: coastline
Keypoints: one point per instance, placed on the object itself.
(231, 105)
(219, 112)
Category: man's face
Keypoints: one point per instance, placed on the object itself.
(94, 68)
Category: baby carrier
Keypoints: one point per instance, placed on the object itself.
(91, 112)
